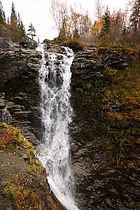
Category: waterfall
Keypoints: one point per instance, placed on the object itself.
(5, 116)
(54, 152)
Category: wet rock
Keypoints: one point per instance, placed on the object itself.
(20, 89)
(91, 62)
(26, 42)
(55, 48)
(6, 43)
(101, 184)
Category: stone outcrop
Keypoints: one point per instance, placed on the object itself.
(20, 88)
(28, 43)
(91, 63)
(20, 91)
(104, 153)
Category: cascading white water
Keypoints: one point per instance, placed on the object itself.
(54, 79)
(5, 116)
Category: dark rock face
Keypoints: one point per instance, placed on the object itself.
(6, 43)
(20, 89)
(103, 172)
(55, 48)
(28, 43)
(19, 86)
(91, 63)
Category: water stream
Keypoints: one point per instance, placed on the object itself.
(54, 80)
(5, 116)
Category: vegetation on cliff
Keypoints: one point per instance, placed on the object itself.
(106, 134)
(23, 180)
(13, 27)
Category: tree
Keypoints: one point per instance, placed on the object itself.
(80, 25)
(96, 30)
(106, 21)
(2, 15)
(135, 20)
(14, 27)
(117, 26)
(31, 31)
(21, 28)
(59, 12)
(13, 24)
(99, 8)
(75, 24)
(13, 17)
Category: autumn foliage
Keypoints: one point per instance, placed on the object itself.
(119, 27)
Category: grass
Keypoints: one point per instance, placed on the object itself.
(126, 85)
(123, 116)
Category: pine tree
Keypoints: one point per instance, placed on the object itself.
(2, 15)
(105, 31)
(31, 31)
(13, 24)
(21, 28)
(106, 21)
(13, 17)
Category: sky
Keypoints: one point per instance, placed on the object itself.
(38, 13)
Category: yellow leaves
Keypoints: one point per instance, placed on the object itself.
(96, 27)
(21, 195)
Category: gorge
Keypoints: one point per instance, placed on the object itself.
(105, 128)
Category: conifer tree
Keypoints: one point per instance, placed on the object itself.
(21, 28)
(31, 31)
(17, 29)
(13, 17)
(2, 14)
(104, 35)
(106, 21)
(13, 24)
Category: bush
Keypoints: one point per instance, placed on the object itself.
(74, 44)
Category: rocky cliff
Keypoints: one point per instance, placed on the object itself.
(20, 89)
(105, 130)
(23, 180)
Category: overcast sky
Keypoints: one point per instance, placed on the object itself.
(37, 12)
